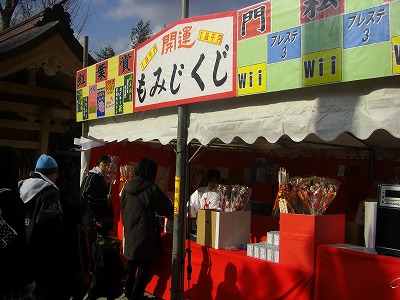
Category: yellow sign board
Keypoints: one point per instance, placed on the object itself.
(322, 67)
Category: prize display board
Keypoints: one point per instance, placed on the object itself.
(190, 61)
(291, 44)
(106, 88)
(267, 47)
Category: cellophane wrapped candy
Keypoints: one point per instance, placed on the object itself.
(111, 171)
(224, 197)
(240, 196)
(299, 207)
(233, 197)
(314, 194)
(125, 174)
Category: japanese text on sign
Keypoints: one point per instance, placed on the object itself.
(171, 75)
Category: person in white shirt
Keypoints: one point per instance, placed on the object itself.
(205, 197)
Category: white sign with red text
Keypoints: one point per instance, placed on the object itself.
(190, 62)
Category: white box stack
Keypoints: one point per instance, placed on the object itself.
(257, 249)
(263, 251)
(273, 246)
(268, 250)
(273, 253)
(250, 250)
(273, 238)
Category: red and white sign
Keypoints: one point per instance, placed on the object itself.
(192, 61)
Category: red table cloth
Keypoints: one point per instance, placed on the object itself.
(230, 274)
(350, 272)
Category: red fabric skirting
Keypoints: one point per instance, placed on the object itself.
(349, 274)
(227, 274)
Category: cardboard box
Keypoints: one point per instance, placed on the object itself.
(301, 234)
(223, 229)
(354, 234)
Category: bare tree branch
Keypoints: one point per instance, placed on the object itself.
(15, 11)
(7, 12)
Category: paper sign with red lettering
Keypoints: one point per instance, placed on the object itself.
(191, 61)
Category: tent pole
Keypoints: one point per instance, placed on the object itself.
(85, 64)
(178, 257)
(85, 155)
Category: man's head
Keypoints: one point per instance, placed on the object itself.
(213, 178)
(47, 166)
(103, 162)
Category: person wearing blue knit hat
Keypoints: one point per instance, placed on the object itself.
(44, 227)
(46, 165)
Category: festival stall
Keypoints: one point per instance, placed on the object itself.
(310, 86)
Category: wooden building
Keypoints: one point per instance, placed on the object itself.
(39, 59)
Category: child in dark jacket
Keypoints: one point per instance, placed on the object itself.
(109, 271)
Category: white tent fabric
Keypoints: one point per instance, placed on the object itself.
(158, 124)
(359, 108)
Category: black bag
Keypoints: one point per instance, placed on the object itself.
(7, 233)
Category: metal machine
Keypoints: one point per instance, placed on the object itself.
(387, 238)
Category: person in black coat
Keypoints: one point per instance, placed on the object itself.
(44, 227)
(109, 270)
(95, 194)
(17, 274)
(77, 262)
(141, 200)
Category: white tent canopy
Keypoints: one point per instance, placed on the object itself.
(345, 114)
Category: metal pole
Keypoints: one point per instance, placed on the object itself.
(178, 257)
(185, 9)
(85, 155)
(85, 128)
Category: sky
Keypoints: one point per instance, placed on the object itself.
(110, 22)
